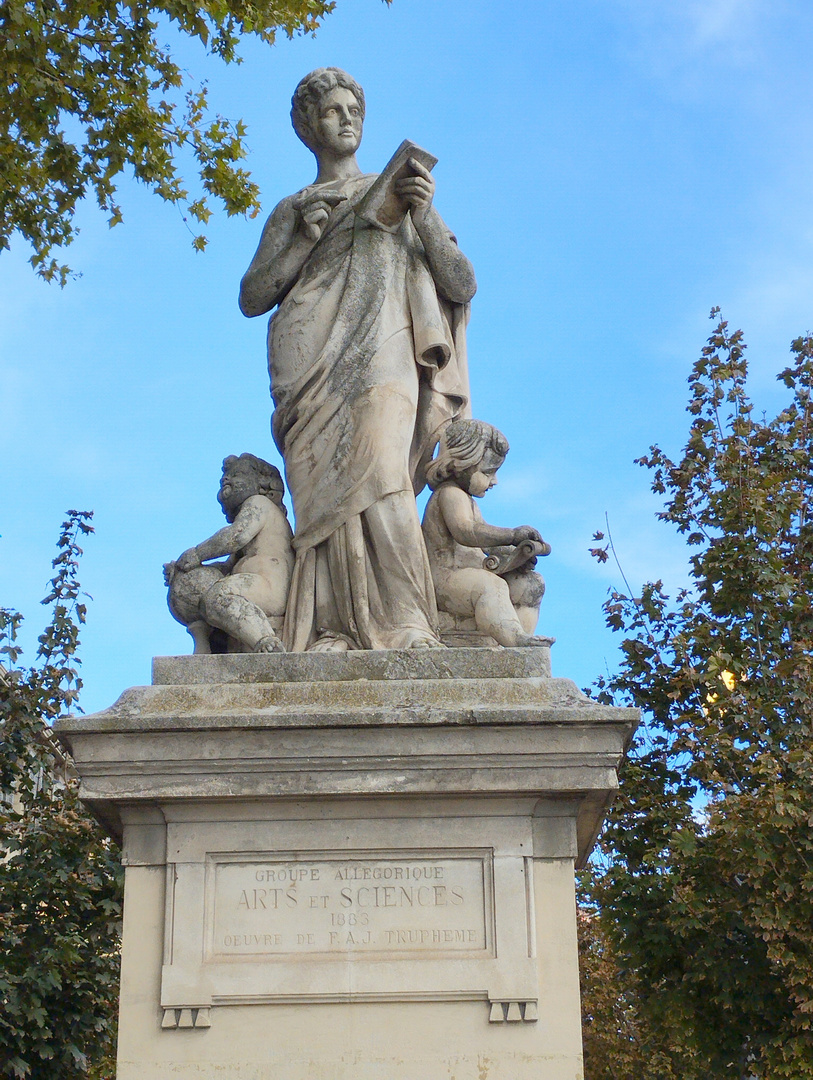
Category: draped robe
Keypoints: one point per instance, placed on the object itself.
(367, 362)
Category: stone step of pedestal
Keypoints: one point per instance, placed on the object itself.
(396, 664)
(462, 722)
(361, 702)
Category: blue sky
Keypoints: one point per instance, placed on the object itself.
(613, 168)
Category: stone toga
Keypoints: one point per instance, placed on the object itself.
(367, 362)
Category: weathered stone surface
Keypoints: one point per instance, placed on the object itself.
(356, 846)
(500, 593)
(356, 1036)
(379, 665)
(244, 596)
(366, 351)
(354, 860)
(413, 722)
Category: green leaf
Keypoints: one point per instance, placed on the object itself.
(702, 887)
(100, 72)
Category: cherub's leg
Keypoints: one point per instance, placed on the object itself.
(228, 609)
(481, 594)
(526, 588)
(495, 615)
(200, 631)
(494, 612)
(472, 592)
(185, 599)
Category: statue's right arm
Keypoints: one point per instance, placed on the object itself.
(283, 249)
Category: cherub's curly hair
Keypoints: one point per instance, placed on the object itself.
(268, 476)
(462, 446)
(311, 90)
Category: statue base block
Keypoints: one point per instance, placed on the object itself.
(351, 865)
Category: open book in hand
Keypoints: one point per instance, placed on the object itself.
(382, 206)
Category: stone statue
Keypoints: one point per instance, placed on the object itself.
(501, 592)
(366, 353)
(245, 596)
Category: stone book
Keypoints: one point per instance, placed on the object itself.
(382, 206)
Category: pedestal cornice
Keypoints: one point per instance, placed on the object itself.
(453, 722)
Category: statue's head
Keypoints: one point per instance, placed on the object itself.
(319, 92)
(470, 453)
(245, 476)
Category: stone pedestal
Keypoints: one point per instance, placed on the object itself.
(351, 867)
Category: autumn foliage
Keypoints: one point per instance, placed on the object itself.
(700, 900)
(88, 92)
(60, 879)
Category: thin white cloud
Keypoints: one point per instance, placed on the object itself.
(712, 22)
(518, 484)
(781, 296)
(647, 549)
(672, 37)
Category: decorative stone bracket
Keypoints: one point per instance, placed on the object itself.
(500, 1012)
(174, 1019)
(513, 1011)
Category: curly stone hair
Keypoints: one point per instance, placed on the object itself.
(462, 446)
(309, 93)
(269, 478)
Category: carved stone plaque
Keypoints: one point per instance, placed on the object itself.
(330, 906)
(306, 922)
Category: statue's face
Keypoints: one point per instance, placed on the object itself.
(338, 125)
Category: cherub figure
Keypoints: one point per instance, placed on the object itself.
(244, 596)
(469, 455)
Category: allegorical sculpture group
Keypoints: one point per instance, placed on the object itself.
(366, 352)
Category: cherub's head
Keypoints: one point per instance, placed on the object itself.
(470, 453)
(313, 97)
(245, 476)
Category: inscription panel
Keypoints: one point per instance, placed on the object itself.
(411, 904)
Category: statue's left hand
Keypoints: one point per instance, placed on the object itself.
(417, 190)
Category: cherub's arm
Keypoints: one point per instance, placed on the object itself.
(467, 527)
(229, 540)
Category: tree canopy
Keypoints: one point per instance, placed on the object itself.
(88, 92)
(703, 887)
(60, 878)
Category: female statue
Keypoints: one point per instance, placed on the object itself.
(366, 354)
